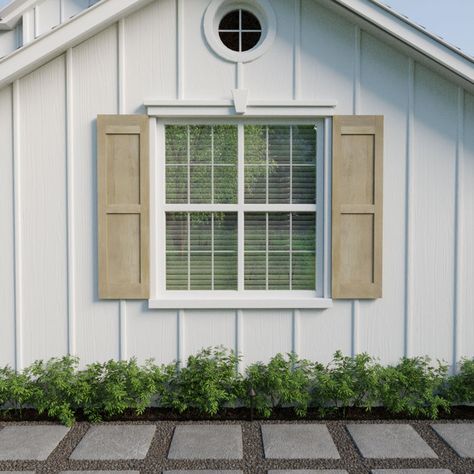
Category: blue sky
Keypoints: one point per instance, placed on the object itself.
(451, 19)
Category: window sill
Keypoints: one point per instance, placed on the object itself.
(241, 303)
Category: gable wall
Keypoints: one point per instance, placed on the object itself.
(48, 286)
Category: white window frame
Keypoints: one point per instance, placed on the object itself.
(241, 298)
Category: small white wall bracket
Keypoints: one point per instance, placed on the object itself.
(240, 100)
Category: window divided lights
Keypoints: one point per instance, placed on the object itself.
(240, 30)
(240, 207)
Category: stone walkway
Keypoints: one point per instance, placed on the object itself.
(396, 447)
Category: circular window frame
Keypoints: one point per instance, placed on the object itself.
(216, 11)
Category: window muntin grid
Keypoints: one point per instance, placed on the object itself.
(296, 148)
(240, 30)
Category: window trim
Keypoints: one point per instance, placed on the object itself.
(265, 299)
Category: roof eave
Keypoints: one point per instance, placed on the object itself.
(410, 34)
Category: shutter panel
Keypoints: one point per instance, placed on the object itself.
(123, 206)
(357, 207)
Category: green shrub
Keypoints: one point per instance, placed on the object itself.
(413, 387)
(16, 389)
(113, 387)
(346, 382)
(53, 388)
(207, 383)
(283, 381)
(460, 387)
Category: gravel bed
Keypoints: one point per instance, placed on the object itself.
(253, 461)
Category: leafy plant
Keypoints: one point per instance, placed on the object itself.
(283, 381)
(113, 387)
(414, 387)
(207, 383)
(346, 382)
(53, 387)
(15, 389)
(460, 387)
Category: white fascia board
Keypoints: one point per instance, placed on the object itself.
(64, 36)
(11, 13)
(411, 34)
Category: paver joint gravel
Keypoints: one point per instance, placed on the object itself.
(411, 471)
(460, 436)
(22, 443)
(115, 442)
(386, 441)
(206, 442)
(308, 471)
(298, 441)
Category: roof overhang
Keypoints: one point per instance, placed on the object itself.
(64, 36)
(379, 16)
(373, 15)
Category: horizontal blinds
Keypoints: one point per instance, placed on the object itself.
(201, 164)
(280, 164)
(201, 251)
(280, 251)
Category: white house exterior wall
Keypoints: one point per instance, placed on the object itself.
(48, 277)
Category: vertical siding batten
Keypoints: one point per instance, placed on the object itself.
(297, 50)
(17, 227)
(458, 249)
(180, 355)
(180, 49)
(356, 106)
(7, 236)
(409, 208)
(121, 107)
(71, 287)
(239, 349)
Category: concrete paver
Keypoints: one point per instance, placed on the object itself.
(206, 442)
(385, 441)
(298, 441)
(114, 442)
(30, 443)
(460, 436)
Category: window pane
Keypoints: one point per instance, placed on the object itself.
(225, 184)
(255, 271)
(256, 184)
(304, 144)
(303, 271)
(304, 184)
(304, 231)
(176, 138)
(225, 144)
(279, 184)
(279, 231)
(210, 261)
(255, 146)
(176, 184)
(200, 144)
(255, 236)
(279, 145)
(278, 271)
(201, 187)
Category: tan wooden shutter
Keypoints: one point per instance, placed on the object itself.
(123, 206)
(357, 207)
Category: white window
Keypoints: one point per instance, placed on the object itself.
(239, 213)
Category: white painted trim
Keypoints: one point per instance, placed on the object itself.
(28, 26)
(11, 13)
(459, 231)
(410, 33)
(70, 33)
(180, 49)
(225, 108)
(240, 303)
(262, 9)
(327, 206)
(297, 49)
(295, 331)
(409, 222)
(70, 204)
(239, 331)
(17, 227)
(180, 336)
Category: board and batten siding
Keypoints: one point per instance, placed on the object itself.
(49, 301)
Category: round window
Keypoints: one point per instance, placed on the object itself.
(240, 31)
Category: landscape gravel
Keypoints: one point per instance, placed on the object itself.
(253, 462)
